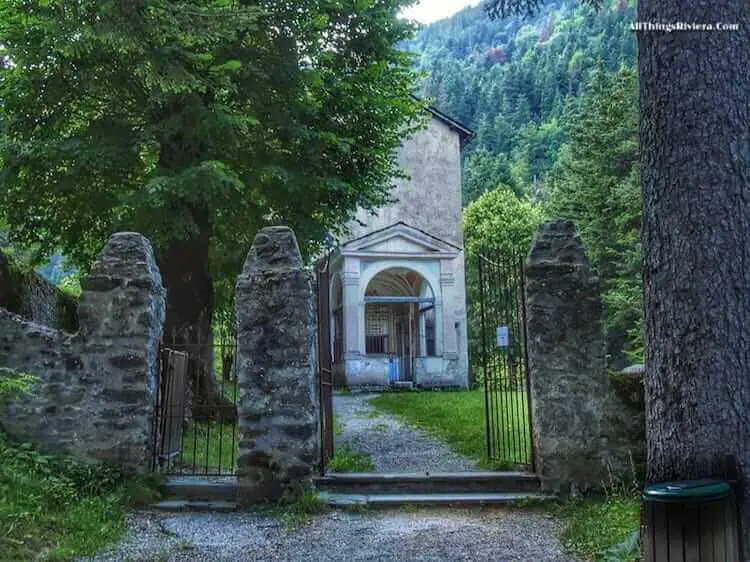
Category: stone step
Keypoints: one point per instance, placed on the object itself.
(196, 505)
(201, 488)
(334, 499)
(424, 483)
(403, 385)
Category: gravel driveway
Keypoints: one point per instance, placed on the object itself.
(394, 446)
(445, 535)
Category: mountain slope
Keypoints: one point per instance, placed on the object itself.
(514, 80)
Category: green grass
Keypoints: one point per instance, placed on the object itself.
(347, 460)
(601, 528)
(299, 512)
(458, 418)
(55, 508)
(338, 427)
(210, 447)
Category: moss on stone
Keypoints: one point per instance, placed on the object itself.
(24, 292)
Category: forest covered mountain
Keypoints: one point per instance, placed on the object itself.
(515, 82)
(553, 100)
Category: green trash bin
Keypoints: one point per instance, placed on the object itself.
(690, 520)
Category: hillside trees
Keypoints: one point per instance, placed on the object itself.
(595, 183)
(539, 89)
(512, 80)
(196, 122)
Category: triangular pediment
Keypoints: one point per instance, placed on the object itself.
(399, 238)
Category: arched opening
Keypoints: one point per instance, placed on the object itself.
(400, 320)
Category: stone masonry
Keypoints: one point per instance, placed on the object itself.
(279, 442)
(582, 435)
(95, 390)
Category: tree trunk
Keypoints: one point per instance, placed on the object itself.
(695, 179)
(184, 267)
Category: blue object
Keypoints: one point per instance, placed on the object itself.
(393, 369)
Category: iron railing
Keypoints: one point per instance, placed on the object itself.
(196, 419)
(504, 358)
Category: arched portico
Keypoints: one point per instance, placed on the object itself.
(398, 311)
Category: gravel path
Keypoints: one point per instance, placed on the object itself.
(394, 446)
(421, 535)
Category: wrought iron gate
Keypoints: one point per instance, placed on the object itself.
(504, 359)
(325, 360)
(195, 421)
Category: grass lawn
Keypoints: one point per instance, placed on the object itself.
(458, 419)
(601, 528)
(56, 509)
(345, 459)
(210, 447)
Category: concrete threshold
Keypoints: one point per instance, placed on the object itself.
(437, 482)
(343, 500)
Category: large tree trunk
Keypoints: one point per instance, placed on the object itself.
(695, 177)
(184, 267)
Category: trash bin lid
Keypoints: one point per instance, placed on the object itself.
(687, 491)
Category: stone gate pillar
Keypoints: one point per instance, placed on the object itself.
(567, 370)
(278, 411)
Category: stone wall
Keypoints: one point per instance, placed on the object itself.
(95, 390)
(34, 298)
(584, 433)
(279, 431)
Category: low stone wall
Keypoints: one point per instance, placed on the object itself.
(95, 390)
(371, 372)
(586, 424)
(34, 298)
(276, 335)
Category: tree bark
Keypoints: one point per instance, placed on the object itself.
(187, 327)
(695, 179)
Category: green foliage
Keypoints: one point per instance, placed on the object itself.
(299, 512)
(498, 226)
(501, 221)
(504, 8)
(195, 118)
(556, 121)
(338, 427)
(58, 508)
(210, 445)
(485, 171)
(627, 550)
(457, 418)
(14, 384)
(71, 285)
(596, 183)
(604, 529)
(511, 80)
(345, 459)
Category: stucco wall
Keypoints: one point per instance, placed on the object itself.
(431, 199)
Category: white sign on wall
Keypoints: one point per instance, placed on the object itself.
(502, 336)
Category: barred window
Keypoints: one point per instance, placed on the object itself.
(377, 323)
